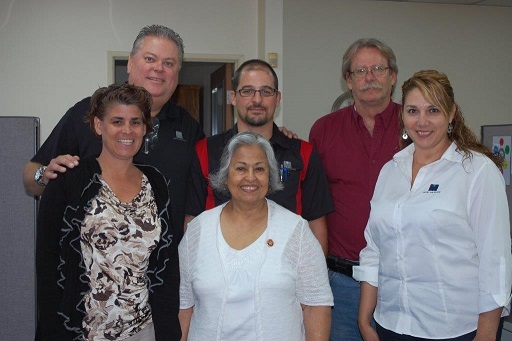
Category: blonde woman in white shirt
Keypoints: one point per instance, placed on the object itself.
(437, 264)
(250, 269)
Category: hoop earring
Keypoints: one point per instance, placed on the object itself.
(450, 128)
(404, 135)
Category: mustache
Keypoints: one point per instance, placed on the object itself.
(256, 106)
(373, 85)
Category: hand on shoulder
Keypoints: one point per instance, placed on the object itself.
(59, 165)
(289, 134)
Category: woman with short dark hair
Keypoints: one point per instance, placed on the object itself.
(107, 264)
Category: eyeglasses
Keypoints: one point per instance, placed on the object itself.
(151, 138)
(264, 92)
(375, 70)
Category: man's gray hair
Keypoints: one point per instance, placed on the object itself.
(386, 51)
(162, 32)
(218, 180)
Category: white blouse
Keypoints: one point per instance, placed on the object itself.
(292, 272)
(242, 267)
(439, 252)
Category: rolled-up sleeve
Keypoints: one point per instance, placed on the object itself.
(368, 269)
(489, 218)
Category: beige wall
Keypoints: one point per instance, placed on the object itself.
(54, 52)
(473, 45)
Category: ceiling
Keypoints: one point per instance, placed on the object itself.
(498, 3)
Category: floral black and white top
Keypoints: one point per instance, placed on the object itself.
(65, 276)
(117, 239)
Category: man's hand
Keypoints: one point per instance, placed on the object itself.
(289, 134)
(58, 165)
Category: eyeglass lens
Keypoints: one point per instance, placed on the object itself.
(264, 92)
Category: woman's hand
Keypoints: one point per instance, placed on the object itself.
(488, 323)
(366, 307)
(185, 315)
(368, 332)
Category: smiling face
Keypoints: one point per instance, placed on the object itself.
(372, 89)
(121, 131)
(248, 175)
(255, 111)
(155, 66)
(426, 123)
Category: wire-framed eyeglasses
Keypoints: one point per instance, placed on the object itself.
(375, 70)
(151, 138)
(264, 92)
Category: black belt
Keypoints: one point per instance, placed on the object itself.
(340, 265)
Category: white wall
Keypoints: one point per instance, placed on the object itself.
(471, 44)
(54, 52)
(274, 43)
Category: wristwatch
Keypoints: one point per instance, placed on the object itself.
(38, 177)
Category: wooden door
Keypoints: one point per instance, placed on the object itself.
(221, 109)
(190, 97)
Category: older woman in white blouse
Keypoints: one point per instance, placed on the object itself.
(250, 269)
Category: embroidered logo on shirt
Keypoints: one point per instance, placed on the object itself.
(433, 189)
(179, 136)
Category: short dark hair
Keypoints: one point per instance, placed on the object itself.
(103, 98)
(159, 31)
(254, 64)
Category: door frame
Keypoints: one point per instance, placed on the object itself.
(112, 56)
(235, 59)
(222, 76)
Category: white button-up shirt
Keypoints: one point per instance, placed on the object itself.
(440, 251)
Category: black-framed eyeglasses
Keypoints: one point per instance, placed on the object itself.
(264, 92)
(151, 138)
(375, 70)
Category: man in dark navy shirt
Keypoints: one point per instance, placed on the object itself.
(154, 63)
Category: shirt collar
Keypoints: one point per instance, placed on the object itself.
(450, 154)
(277, 136)
(386, 116)
(170, 110)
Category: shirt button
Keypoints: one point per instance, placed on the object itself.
(373, 161)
